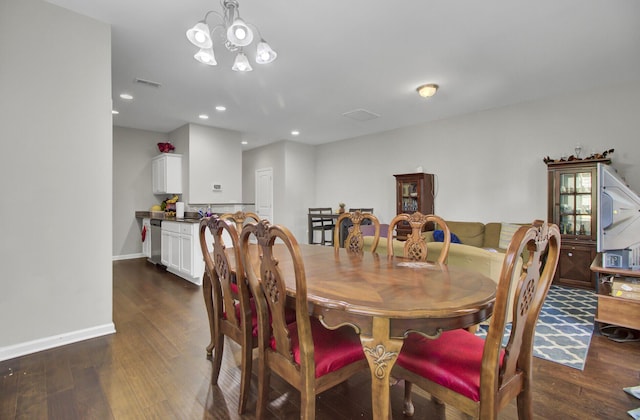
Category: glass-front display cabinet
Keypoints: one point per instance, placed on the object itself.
(572, 205)
(414, 192)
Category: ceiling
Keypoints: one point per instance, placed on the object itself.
(337, 56)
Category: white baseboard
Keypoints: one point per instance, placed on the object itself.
(17, 350)
(128, 256)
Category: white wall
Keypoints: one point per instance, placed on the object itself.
(489, 165)
(132, 153)
(215, 156)
(55, 119)
(299, 177)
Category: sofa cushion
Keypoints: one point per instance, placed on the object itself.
(506, 233)
(492, 235)
(469, 233)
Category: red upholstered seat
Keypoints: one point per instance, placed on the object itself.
(290, 316)
(480, 377)
(453, 360)
(333, 349)
(308, 356)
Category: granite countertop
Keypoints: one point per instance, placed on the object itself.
(189, 217)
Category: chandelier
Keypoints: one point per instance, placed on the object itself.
(235, 33)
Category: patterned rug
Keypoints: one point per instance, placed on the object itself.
(564, 328)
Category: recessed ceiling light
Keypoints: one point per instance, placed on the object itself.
(114, 112)
(295, 133)
(244, 142)
(126, 96)
(203, 116)
(426, 91)
(221, 108)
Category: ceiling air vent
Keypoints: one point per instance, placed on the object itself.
(361, 115)
(147, 82)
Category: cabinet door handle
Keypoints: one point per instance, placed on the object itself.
(570, 254)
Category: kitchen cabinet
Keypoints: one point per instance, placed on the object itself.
(181, 252)
(166, 174)
(573, 206)
(414, 192)
(146, 242)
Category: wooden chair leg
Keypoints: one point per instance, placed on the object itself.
(263, 390)
(208, 303)
(408, 408)
(245, 374)
(217, 358)
(307, 405)
(525, 403)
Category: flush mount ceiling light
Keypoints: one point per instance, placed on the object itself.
(235, 34)
(427, 91)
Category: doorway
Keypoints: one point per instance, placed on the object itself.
(264, 193)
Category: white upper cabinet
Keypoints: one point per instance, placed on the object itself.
(166, 172)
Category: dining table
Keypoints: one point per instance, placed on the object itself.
(386, 298)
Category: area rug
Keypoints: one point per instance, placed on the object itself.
(564, 328)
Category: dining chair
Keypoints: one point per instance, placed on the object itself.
(322, 224)
(415, 246)
(478, 376)
(233, 310)
(305, 354)
(240, 218)
(354, 241)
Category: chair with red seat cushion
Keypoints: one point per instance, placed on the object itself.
(233, 310)
(478, 376)
(305, 354)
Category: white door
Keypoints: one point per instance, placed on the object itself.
(264, 193)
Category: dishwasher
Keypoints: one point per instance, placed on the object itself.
(156, 240)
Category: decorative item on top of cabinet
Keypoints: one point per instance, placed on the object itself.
(414, 192)
(572, 205)
(166, 171)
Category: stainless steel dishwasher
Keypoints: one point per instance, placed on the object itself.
(156, 240)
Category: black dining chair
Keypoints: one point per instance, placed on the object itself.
(322, 224)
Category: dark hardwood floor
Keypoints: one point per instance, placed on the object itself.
(155, 367)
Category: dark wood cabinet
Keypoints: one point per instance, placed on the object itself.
(573, 206)
(414, 192)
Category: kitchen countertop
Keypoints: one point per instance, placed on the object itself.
(190, 217)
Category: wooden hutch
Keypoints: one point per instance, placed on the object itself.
(414, 192)
(573, 206)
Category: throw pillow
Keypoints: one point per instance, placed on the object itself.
(506, 233)
(438, 236)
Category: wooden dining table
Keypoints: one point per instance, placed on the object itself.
(384, 299)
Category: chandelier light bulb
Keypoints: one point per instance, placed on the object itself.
(206, 56)
(264, 53)
(241, 63)
(200, 36)
(239, 33)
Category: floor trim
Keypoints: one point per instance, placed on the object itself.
(28, 347)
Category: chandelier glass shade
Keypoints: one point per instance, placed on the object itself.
(235, 34)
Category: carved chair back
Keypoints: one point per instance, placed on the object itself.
(415, 246)
(354, 242)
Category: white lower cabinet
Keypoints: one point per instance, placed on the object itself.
(181, 252)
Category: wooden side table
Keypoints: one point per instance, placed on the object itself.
(612, 309)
